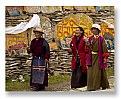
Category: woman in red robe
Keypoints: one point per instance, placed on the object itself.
(77, 48)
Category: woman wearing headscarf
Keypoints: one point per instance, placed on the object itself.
(41, 53)
(77, 49)
(96, 60)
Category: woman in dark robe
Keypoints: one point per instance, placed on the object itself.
(79, 71)
(96, 61)
(41, 53)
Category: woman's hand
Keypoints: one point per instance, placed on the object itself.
(105, 60)
(46, 60)
(28, 48)
(70, 50)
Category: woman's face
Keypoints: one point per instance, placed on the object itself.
(95, 31)
(37, 34)
(78, 32)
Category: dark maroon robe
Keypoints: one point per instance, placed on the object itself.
(40, 47)
(40, 51)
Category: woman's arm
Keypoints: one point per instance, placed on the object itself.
(46, 50)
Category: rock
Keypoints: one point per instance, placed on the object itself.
(56, 73)
(28, 62)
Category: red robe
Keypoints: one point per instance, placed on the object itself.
(81, 53)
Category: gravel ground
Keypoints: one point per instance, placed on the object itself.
(65, 86)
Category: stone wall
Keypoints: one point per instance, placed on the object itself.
(60, 63)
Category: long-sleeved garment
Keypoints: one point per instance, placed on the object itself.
(78, 48)
(79, 75)
(40, 47)
(40, 51)
(96, 74)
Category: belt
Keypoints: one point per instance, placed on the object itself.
(94, 52)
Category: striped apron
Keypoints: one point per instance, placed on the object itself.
(38, 70)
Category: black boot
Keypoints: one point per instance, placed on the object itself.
(35, 89)
(103, 88)
(41, 88)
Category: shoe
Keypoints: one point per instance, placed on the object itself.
(35, 89)
(103, 88)
(91, 90)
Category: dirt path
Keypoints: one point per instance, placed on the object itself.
(65, 86)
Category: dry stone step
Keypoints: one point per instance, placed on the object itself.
(65, 67)
(64, 59)
(11, 68)
(111, 54)
(110, 61)
(58, 69)
(13, 59)
(62, 73)
(110, 58)
(15, 64)
(10, 62)
(52, 68)
(60, 63)
(56, 73)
